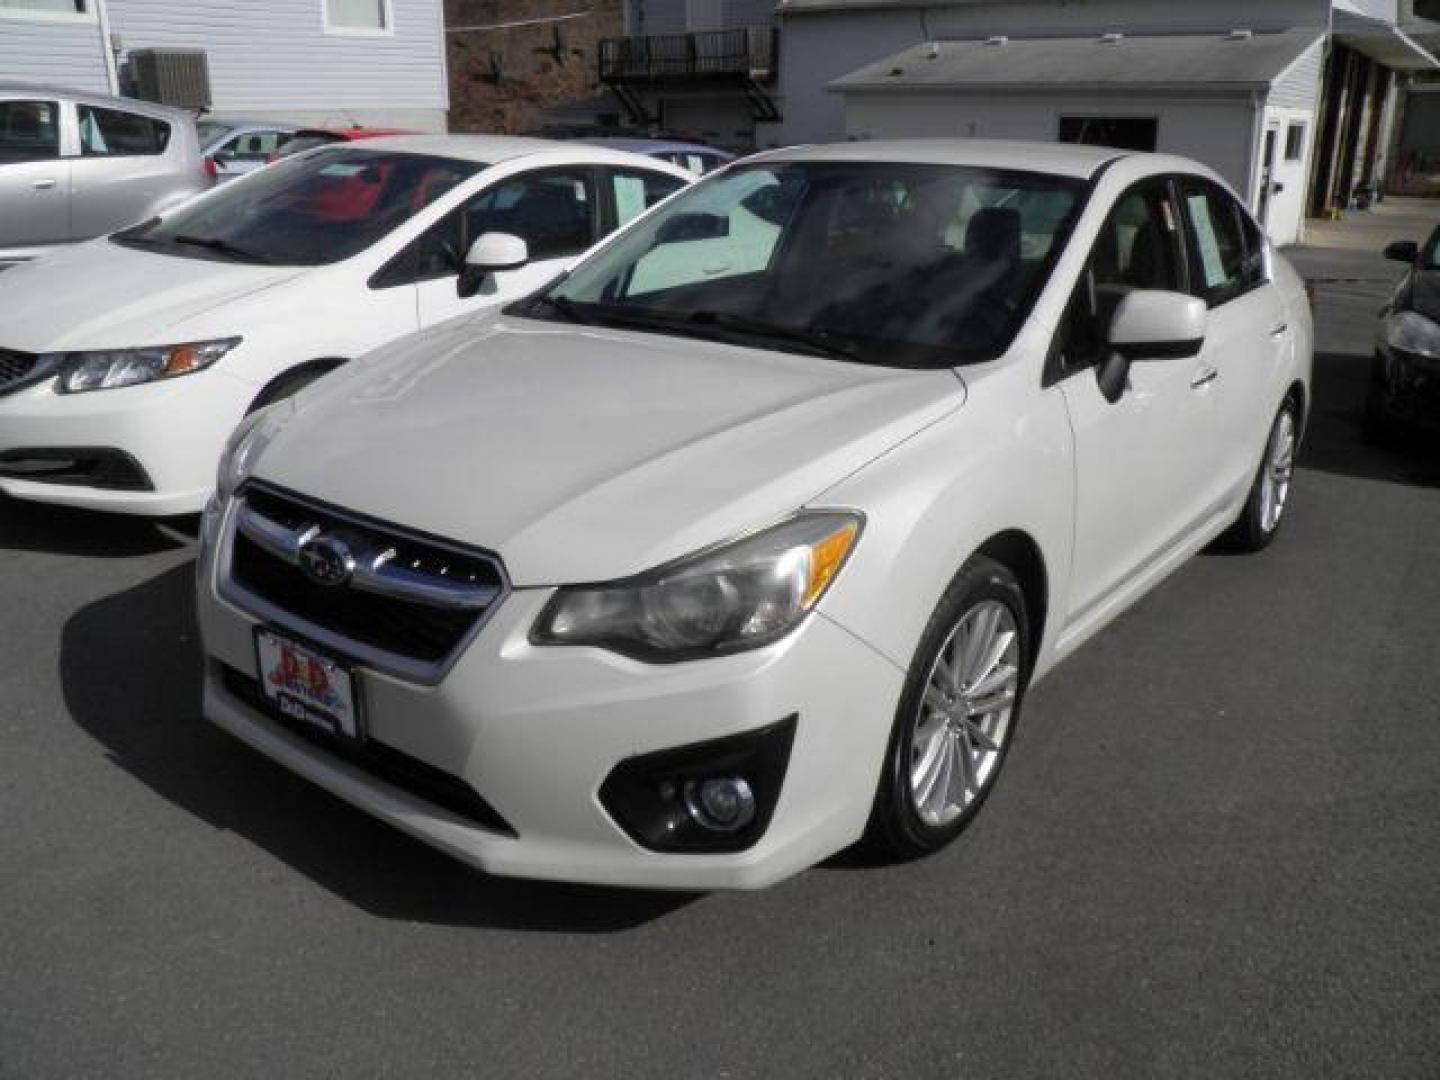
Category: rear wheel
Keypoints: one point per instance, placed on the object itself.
(1270, 492)
(957, 713)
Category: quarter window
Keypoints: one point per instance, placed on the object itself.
(114, 133)
(29, 131)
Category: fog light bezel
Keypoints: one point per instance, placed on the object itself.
(646, 795)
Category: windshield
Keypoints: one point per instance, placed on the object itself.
(883, 263)
(306, 211)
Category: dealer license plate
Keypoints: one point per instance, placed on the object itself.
(305, 685)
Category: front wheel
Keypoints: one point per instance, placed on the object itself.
(1270, 491)
(957, 713)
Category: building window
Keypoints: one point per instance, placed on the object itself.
(1121, 132)
(357, 16)
(46, 8)
(1294, 142)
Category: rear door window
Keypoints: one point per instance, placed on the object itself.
(116, 133)
(29, 131)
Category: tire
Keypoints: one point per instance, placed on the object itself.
(291, 382)
(932, 748)
(1269, 495)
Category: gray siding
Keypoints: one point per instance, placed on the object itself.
(53, 53)
(276, 56)
(1298, 87)
(648, 17)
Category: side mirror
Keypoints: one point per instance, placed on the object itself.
(693, 226)
(1405, 251)
(491, 253)
(1151, 324)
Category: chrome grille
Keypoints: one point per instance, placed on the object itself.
(405, 603)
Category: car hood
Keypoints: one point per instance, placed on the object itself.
(585, 454)
(103, 295)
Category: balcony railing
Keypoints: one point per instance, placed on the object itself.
(748, 53)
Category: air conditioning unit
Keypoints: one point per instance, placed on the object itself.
(179, 77)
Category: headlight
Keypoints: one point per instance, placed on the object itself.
(738, 596)
(1411, 332)
(250, 437)
(107, 369)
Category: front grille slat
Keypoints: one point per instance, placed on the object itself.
(414, 636)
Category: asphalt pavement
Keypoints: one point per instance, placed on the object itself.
(1215, 851)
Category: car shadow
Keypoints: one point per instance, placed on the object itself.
(63, 530)
(1334, 440)
(130, 672)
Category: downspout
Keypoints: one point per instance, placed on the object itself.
(112, 73)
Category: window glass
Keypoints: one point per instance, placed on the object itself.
(307, 211)
(924, 265)
(253, 145)
(1135, 249)
(356, 14)
(209, 132)
(1256, 261)
(114, 133)
(635, 192)
(57, 7)
(553, 211)
(1294, 142)
(29, 131)
(1218, 250)
(1122, 132)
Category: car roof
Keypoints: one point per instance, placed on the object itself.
(1061, 159)
(239, 122)
(492, 149)
(657, 146)
(150, 108)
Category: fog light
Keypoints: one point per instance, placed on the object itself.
(723, 804)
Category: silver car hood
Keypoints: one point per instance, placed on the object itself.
(583, 454)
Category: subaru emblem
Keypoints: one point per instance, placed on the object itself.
(326, 561)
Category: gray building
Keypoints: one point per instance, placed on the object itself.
(1295, 102)
(319, 62)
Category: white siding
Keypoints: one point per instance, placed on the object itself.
(1298, 86)
(53, 53)
(275, 56)
(1060, 18)
(1216, 132)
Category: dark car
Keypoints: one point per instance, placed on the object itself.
(1405, 376)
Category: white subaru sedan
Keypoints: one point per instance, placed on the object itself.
(125, 362)
(744, 541)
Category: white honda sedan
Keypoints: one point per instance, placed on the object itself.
(745, 540)
(125, 362)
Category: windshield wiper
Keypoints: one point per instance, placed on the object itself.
(821, 341)
(223, 247)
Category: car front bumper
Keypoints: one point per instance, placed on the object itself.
(172, 431)
(536, 731)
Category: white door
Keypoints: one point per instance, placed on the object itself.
(1143, 460)
(34, 178)
(556, 211)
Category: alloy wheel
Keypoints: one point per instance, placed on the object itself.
(1276, 472)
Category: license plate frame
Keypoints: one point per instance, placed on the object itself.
(307, 685)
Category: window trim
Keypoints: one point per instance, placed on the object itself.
(336, 30)
(70, 18)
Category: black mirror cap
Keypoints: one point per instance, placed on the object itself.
(1406, 251)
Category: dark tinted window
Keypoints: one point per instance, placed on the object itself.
(1218, 263)
(1294, 142)
(310, 210)
(115, 133)
(552, 210)
(1121, 132)
(29, 130)
(1137, 248)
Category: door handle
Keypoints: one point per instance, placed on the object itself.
(1205, 377)
(41, 185)
(1279, 331)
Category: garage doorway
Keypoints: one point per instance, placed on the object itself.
(1121, 132)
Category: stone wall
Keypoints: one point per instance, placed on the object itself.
(513, 78)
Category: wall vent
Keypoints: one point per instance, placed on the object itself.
(179, 77)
